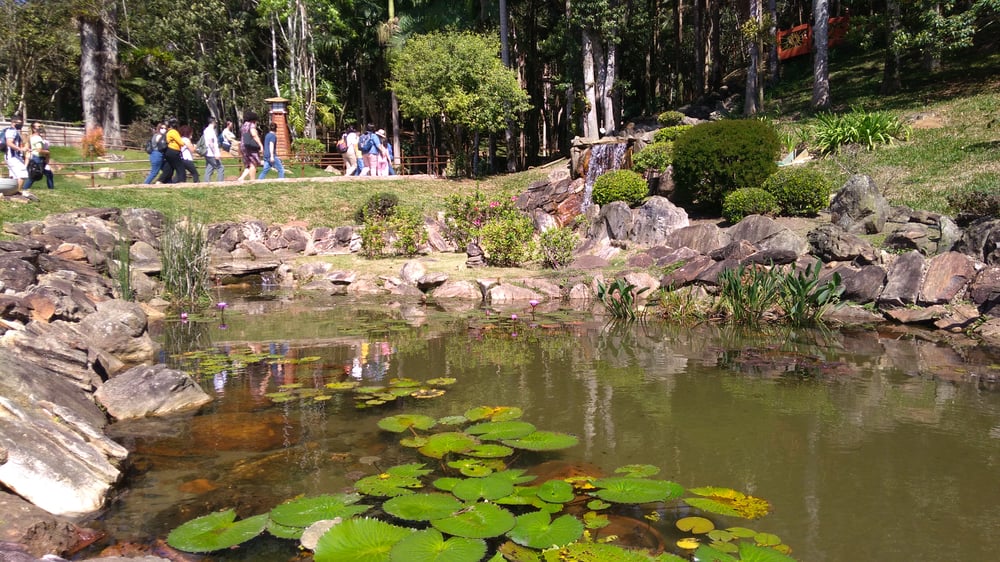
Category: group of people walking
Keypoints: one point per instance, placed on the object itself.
(172, 153)
(27, 163)
(367, 154)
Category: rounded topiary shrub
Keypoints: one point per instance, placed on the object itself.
(799, 191)
(670, 118)
(667, 134)
(748, 201)
(507, 240)
(620, 185)
(653, 158)
(713, 159)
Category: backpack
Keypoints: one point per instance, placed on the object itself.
(150, 146)
(367, 142)
(36, 170)
(3, 139)
(342, 144)
(224, 144)
(202, 147)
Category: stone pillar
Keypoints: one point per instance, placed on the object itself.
(279, 115)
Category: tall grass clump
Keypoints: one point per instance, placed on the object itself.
(184, 253)
(748, 294)
(804, 299)
(120, 267)
(621, 299)
(867, 128)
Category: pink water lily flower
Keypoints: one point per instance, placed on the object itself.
(221, 305)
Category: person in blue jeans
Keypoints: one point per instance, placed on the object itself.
(271, 159)
(156, 155)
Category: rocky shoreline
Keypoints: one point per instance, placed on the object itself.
(75, 357)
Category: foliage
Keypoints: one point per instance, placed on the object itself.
(620, 185)
(120, 266)
(507, 240)
(654, 157)
(379, 206)
(867, 128)
(748, 201)
(747, 293)
(184, 253)
(92, 143)
(804, 299)
(978, 199)
(669, 118)
(465, 215)
(557, 245)
(621, 298)
(714, 159)
(682, 305)
(670, 134)
(400, 233)
(799, 191)
(215, 531)
(307, 150)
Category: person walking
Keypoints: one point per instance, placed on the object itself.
(249, 146)
(384, 155)
(187, 155)
(39, 156)
(172, 161)
(213, 155)
(351, 156)
(229, 141)
(15, 153)
(157, 144)
(271, 159)
(370, 148)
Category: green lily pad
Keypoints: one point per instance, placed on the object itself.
(429, 546)
(404, 383)
(402, 422)
(440, 444)
(474, 468)
(359, 540)
(490, 451)
(441, 381)
(599, 552)
(543, 441)
(489, 488)
(594, 520)
(556, 491)
(216, 531)
(477, 521)
(598, 505)
(414, 442)
(306, 511)
(396, 481)
(447, 484)
(726, 501)
(523, 495)
(516, 475)
(750, 551)
(696, 525)
(369, 389)
(344, 385)
(452, 420)
(284, 531)
(622, 489)
(538, 530)
(422, 507)
(495, 431)
(494, 413)
(638, 470)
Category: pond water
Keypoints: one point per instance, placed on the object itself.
(870, 445)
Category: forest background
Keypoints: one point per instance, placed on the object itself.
(528, 75)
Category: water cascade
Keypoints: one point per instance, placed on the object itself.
(604, 157)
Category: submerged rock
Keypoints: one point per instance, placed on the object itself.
(150, 391)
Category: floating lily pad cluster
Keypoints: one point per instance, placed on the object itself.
(364, 396)
(472, 504)
(208, 363)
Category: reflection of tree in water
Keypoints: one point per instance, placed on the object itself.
(185, 337)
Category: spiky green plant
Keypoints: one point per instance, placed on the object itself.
(748, 293)
(120, 266)
(804, 299)
(184, 253)
(621, 298)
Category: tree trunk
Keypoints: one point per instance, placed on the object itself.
(713, 49)
(773, 64)
(590, 126)
(611, 118)
(821, 66)
(505, 58)
(890, 76)
(698, 21)
(750, 101)
(98, 74)
(678, 91)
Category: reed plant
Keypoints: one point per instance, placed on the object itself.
(120, 266)
(867, 128)
(804, 299)
(621, 299)
(748, 293)
(184, 253)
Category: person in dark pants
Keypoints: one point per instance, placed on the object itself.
(172, 160)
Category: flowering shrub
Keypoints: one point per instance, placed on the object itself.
(507, 240)
(92, 143)
(465, 215)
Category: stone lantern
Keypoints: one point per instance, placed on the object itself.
(278, 109)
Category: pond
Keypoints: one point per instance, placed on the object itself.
(869, 444)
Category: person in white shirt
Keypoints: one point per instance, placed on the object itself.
(15, 152)
(187, 154)
(213, 155)
(351, 156)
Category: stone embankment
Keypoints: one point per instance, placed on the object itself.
(74, 356)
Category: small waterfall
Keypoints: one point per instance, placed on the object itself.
(603, 158)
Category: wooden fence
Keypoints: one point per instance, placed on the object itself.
(798, 40)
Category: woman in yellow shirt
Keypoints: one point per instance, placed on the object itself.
(172, 160)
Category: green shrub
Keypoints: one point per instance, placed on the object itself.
(713, 159)
(748, 201)
(379, 206)
(307, 150)
(799, 191)
(670, 118)
(654, 157)
(507, 240)
(620, 185)
(667, 134)
(557, 245)
(465, 215)
(868, 128)
(978, 199)
(400, 234)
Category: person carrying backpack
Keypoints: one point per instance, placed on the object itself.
(38, 165)
(158, 139)
(271, 159)
(14, 152)
(371, 148)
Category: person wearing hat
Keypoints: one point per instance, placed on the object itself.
(15, 152)
(371, 147)
(384, 155)
(39, 155)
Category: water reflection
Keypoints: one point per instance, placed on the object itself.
(875, 442)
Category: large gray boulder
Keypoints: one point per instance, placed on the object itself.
(119, 328)
(655, 220)
(858, 207)
(981, 240)
(830, 242)
(703, 238)
(150, 391)
(947, 276)
(36, 531)
(903, 285)
(924, 231)
(614, 222)
(766, 234)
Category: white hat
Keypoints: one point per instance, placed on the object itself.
(380, 132)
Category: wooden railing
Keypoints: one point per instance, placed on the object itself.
(798, 40)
